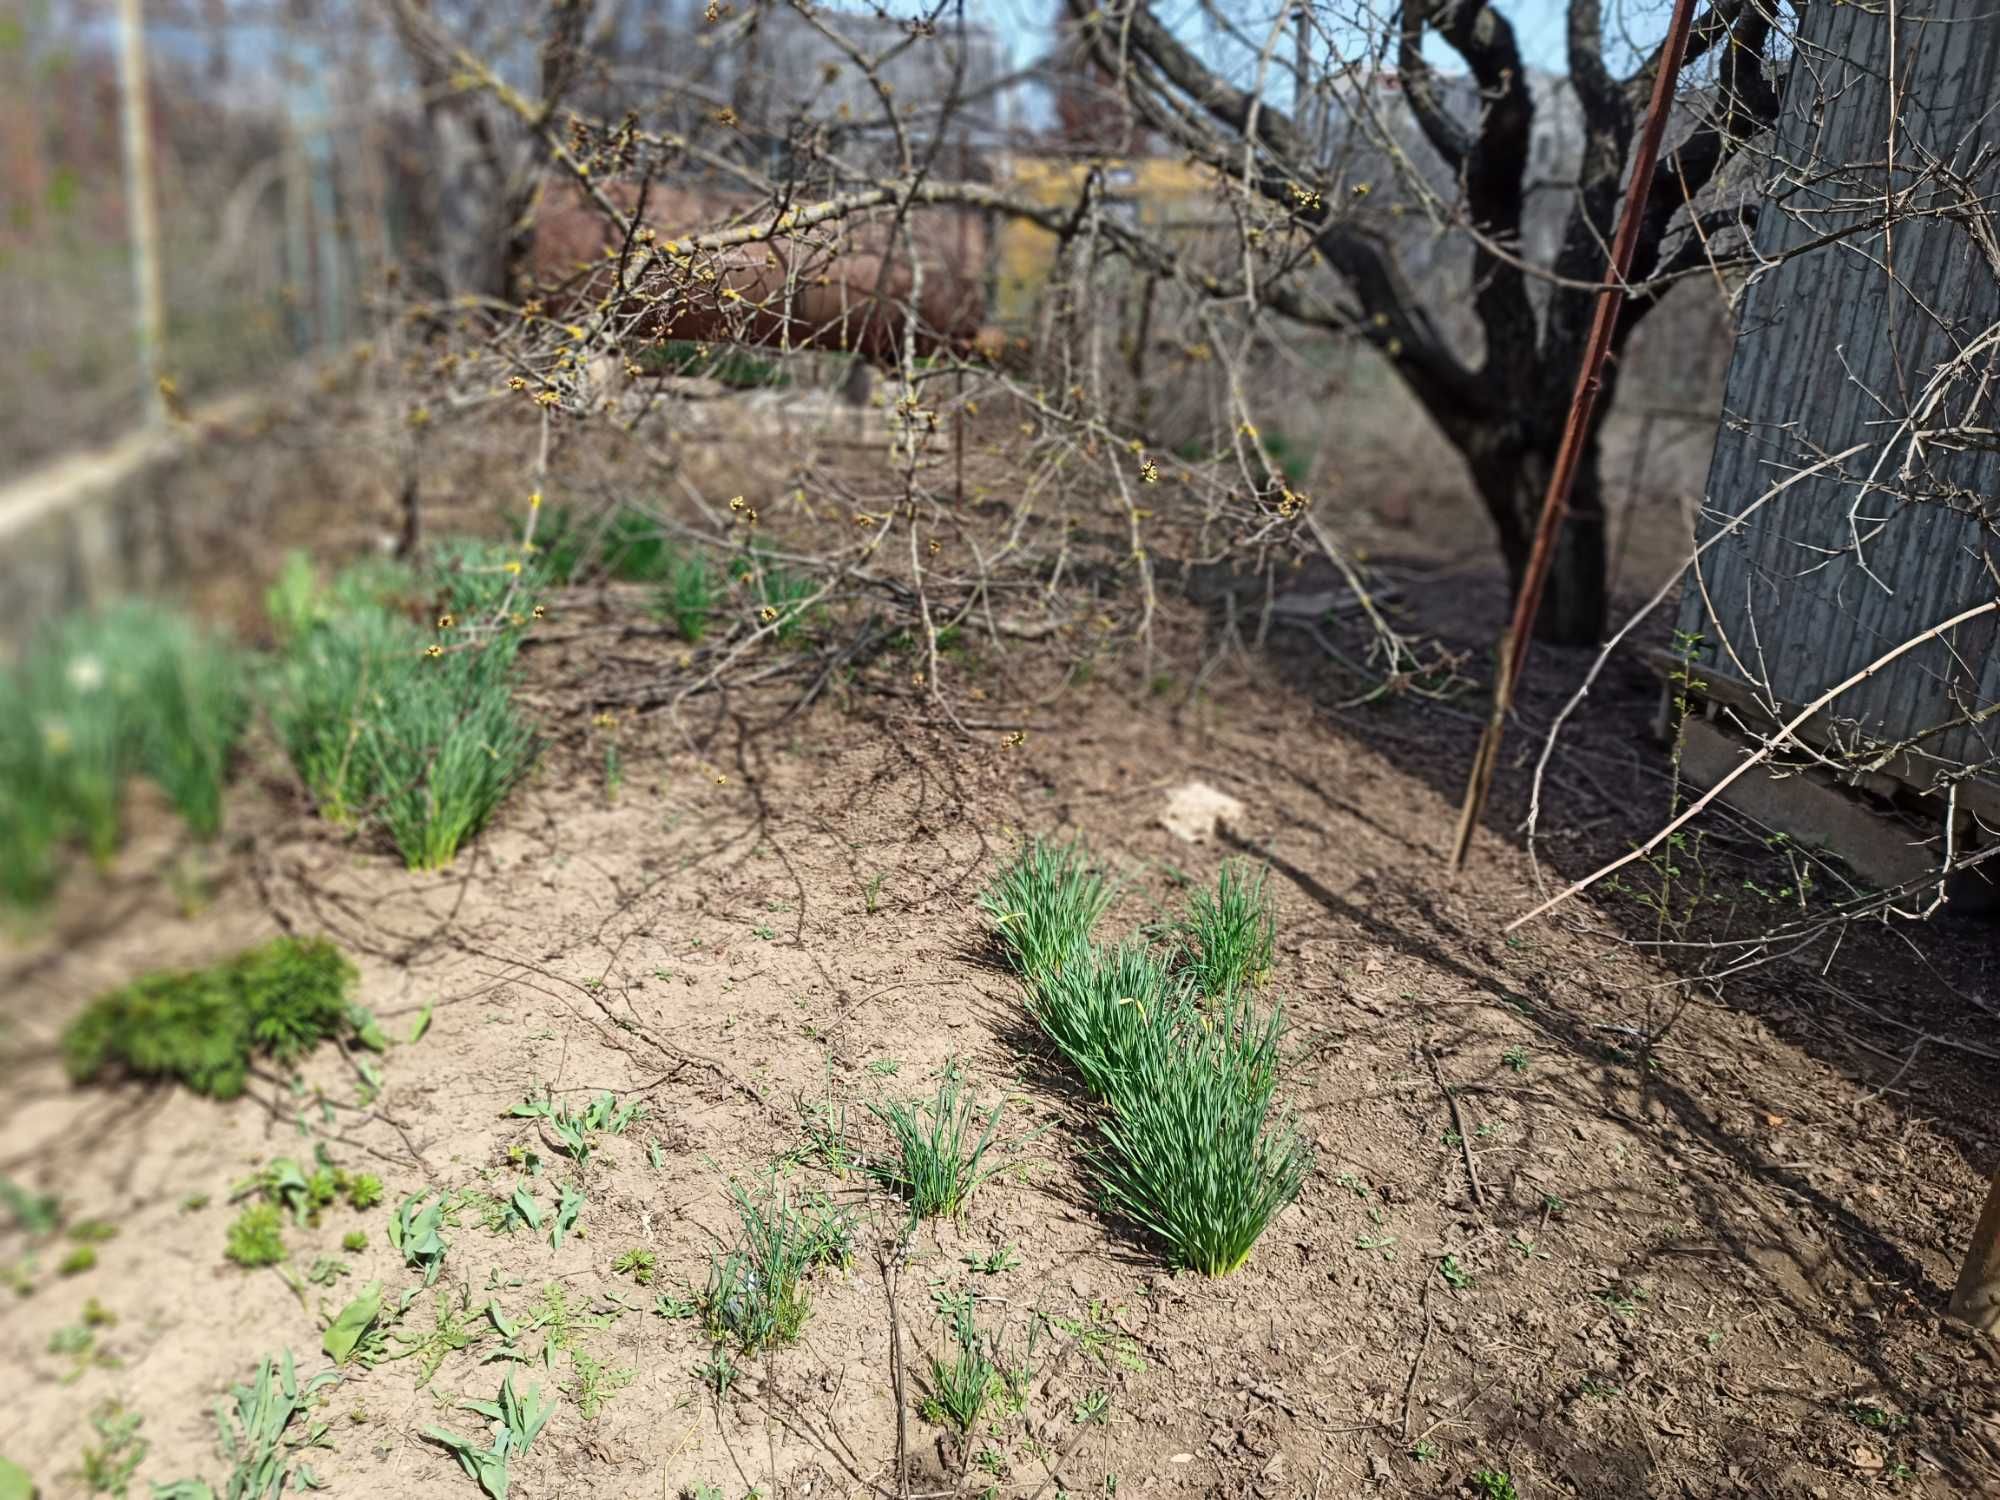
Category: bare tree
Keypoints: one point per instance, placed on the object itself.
(1502, 406)
(488, 146)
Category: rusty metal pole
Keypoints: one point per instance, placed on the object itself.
(1555, 504)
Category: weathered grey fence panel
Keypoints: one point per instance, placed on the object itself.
(1871, 338)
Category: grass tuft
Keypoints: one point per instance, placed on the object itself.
(937, 1162)
(1098, 1010)
(135, 690)
(1044, 905)
(1188, 1151)
(385, 735)
(757, 1295)
(1229, 936)
(963, 1381)
(687, 595)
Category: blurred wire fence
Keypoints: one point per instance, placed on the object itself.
(275, 185)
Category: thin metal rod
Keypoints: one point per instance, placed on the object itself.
(1589, 382)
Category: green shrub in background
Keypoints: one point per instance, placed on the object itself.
(481, 583)
(727, 364)
(134, 690)
(202, 1027)
(1293, 458)
(632, 547)
(778, 589)
(635, 548)
(31, 824)
(398, 727)
(687, 596)
(301, 598)
(562, 542)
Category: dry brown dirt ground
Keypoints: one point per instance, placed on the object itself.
(1710, 1265)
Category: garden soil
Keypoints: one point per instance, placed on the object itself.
(1531, 1246)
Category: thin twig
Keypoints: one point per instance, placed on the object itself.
(1458, 1125)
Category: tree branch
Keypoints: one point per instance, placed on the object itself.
(1392, 319)
(1695, 252)
(1451, 140)
(1606, 108)
(1495, 172)
(1709, 29)
(1745, 103)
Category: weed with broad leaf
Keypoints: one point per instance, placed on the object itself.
(515, 1422)
(416, 1230)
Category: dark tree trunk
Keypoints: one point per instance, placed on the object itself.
(412, 505)
(1513, 479)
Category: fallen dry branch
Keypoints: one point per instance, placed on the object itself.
(1763, 753)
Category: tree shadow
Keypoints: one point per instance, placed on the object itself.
(1899, 1017)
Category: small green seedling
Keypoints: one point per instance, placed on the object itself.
(596, 1383)
(717, 1372)
(109, 1464)
(994, 1261)
(415, 1230)
(33, 1213)
(516, 1423)
(937, 1164)
(638, 1264)
(256, 1237)
(575, 1131)
(567, 1210)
